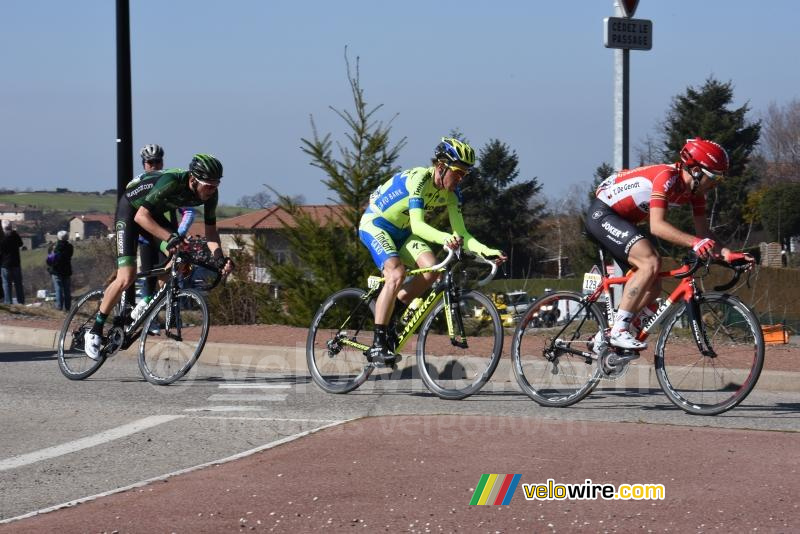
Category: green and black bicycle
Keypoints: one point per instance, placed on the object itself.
(459, 341)
(176, 321)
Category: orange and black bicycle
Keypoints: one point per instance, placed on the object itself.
(708, 355)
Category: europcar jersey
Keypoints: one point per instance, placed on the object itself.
(631, 193)
(162, 191)
(403, 200)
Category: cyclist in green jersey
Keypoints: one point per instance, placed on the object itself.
(394, 230)
(141, 210)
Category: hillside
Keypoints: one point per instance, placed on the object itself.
(75, 201)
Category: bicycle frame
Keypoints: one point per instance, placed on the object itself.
(443, 288)
(686, 291)
(130, 332)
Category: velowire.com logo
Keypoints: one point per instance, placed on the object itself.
(495, 489)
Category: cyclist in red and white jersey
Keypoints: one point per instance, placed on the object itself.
(631, 196)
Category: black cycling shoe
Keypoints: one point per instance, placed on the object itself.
(382, 355)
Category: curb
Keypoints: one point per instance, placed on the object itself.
(292, 360)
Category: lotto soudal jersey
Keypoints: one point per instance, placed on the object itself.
(631, 193)
(163, 191)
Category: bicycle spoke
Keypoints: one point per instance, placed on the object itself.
(172, 342)
(449, 367)
(710, 384)
(548, 345)
(342, 321)
(72, 360)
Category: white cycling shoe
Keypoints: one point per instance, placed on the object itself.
(92, 345)
(624, 340)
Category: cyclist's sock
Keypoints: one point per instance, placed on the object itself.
(379, 339)
(622, 321)
(99, 322)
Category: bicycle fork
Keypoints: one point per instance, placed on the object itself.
(455, 321)
(699, 328)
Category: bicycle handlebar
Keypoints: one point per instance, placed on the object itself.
(185, 256)
(738, 267)
(451, 253)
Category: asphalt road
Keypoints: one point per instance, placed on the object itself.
(64, 440)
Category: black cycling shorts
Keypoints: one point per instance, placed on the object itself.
(127, 233)
(612, 231)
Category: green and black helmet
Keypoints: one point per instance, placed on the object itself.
(206, 168)
(452, 150)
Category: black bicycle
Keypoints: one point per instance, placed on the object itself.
(176, 322)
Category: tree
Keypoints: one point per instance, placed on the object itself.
(329, 253)
(705, 112)
(501, 211)
(779, 213)
(258, 200)
(781, 142)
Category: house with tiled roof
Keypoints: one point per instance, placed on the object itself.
(267, 226)
(91, 225)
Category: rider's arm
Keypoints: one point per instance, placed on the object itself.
(186, 220)
(702, 229)
(416, 217)
(660, 228)
(146, 221)
(457, 223)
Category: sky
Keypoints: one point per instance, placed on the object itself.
(241, 79)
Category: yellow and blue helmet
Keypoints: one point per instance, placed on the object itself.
(452, 150)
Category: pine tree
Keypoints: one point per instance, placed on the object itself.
(705, 113)
(329, 253)
(499, 209)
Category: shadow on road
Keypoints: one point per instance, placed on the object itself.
(28, 356)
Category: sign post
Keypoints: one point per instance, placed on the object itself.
(624, 33)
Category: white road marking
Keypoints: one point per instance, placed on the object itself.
(85, 443)
(175, 473)
(255, 386)
(220, 397)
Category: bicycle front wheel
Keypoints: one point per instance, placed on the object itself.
(712, 383)
(342, 328)
(450, 370)
(72, 360)
(551, 351)
(170, 346)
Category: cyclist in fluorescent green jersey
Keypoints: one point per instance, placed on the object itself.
(141, 210)
(394, 230)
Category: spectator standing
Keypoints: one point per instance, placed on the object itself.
(59, 265)
(10, 263)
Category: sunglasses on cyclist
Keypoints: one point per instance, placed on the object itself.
(207, 184)
(715, 177)
(461, 171)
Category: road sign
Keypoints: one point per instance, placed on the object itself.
(634, 34)
(628, 7)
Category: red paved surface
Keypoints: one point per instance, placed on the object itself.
(417, 474)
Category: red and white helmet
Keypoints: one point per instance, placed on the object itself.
(708, 155)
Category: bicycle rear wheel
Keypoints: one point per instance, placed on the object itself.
(72, 360)
(342, 320)
(454, 372)
(710, 385)
(168, 355)
(545, 368)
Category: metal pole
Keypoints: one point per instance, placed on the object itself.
(124, 114)
(621, 122)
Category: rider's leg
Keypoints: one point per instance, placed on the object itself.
(393, 273)
(125, 277)
(94, 338)
(420, 283)
(638, 291)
